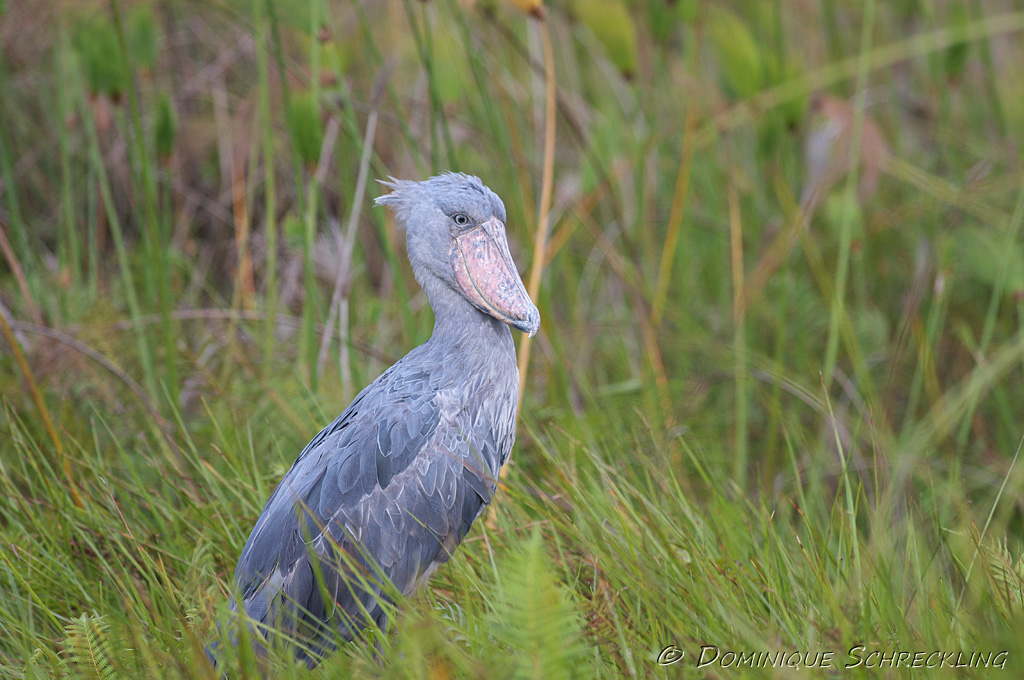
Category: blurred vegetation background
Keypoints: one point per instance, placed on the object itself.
(775, 403)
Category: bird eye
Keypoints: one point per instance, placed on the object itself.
(460, 219)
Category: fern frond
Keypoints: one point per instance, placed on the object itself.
(536, 616)
(88, 649)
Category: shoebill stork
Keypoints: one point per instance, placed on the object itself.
(392, 486)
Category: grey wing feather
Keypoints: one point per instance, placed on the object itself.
(391, 483)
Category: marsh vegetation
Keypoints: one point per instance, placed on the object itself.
(775, 403)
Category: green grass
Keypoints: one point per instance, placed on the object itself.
(756, 419)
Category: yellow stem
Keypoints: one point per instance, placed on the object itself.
(547, 184)
(675, 218)
(19, 276)
(37, 397)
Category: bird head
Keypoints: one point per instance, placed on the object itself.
(455, 233)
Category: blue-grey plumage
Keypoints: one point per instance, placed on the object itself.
(392, 486)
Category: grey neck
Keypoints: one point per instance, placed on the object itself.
(459, 327)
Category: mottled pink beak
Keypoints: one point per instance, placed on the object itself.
(487, 275)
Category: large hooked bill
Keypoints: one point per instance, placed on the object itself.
(487, 275)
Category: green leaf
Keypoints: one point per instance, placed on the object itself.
(985, 257)
(306, 128)
(450, 69)
(739, 57)
(665, 16)
(613, 26)
(871, 328)
(956, 55)
(794, 109)
(143, 38)
(165, 127)
(687, 10)
(98, 51)
(294, 230)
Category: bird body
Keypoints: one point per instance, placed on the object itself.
(391, 487)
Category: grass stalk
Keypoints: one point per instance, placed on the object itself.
(242, 287)
(270, 12)
(851, 538)
(44, 413)
(72, 253)
(339, 305)
(981, 538)
(995, 299)
(675, 218)
(540, 238)
(154, 247)
(19, 275)
(838, 307)
(739, 338)
(309, 300)
(21, 237)
(94, 228)
(270, 286)
(311, 208)
(924, 369)
(423, 38)
(121, 249)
